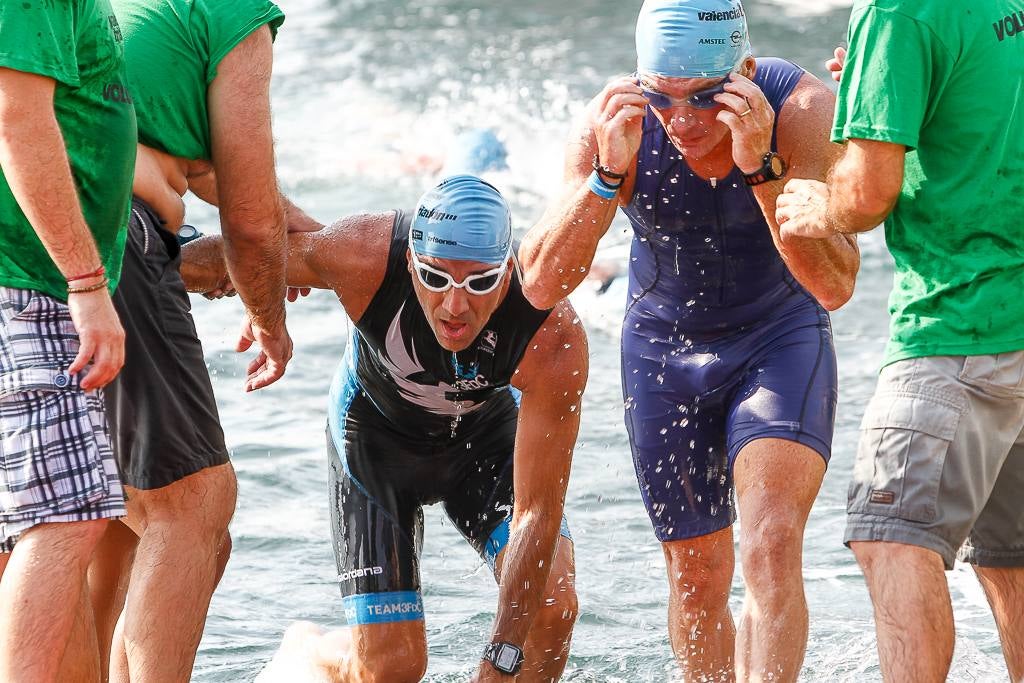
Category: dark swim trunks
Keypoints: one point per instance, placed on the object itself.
(162, 414)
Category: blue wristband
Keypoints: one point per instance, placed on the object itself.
(601, 188)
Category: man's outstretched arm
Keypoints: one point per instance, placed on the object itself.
(349, 257)
(552, 377)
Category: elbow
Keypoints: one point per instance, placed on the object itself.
(836, 296)
(835, 300)
(253, 221)
(873, 205)
(542, 296)
(540, 524)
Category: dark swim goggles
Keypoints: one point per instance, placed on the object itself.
(436, 280)
(702, 99)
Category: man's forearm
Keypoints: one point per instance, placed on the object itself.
(855, 204)
(255, 252)
(827, 267)
(524, 575)
(557, 253)
(202, 264)
(36, 167)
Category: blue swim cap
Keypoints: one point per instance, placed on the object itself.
(465, 219)
(474, 152)
(691, 38)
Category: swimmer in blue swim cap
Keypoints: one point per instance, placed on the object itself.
(455, 390)
(728, 368)
(461, 237)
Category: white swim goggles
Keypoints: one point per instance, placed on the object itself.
(439, 281)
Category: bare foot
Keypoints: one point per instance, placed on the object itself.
(298, 659)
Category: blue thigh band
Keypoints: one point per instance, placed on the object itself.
(382, 608)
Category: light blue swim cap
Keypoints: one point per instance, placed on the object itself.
(474, 152)
(465, 219)
(691, 38)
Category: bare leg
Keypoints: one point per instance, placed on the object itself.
(913, 614)
(81, 661)
(175, 570)
(118, 663)
(108, 584)
(42, 591)
(776, 483)
(700, 625)
(1004, 587)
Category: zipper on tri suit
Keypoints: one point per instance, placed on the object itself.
(721, 235)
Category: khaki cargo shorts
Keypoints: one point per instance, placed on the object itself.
(940, 463)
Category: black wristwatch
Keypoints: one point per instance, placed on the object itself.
(187, 233)
(505, 657)
(773, 167)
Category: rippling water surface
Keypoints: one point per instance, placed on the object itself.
(367, 94)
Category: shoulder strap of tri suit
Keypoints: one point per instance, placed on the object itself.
(396, 286)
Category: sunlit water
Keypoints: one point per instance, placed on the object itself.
(367, 94)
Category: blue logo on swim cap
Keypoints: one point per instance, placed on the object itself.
(691, 38)
(463, 218)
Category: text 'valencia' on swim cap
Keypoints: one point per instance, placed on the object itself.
(463, 218)
(691, 38)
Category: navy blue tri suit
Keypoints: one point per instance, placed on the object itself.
(412, 424)
(720, 344)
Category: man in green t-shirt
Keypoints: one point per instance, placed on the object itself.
(67, 149)
(200, 76)
(931, 110)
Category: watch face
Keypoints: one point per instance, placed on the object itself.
(187, 233)
(777, 166)
(506, 658)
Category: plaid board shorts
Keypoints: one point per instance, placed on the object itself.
(56, 462)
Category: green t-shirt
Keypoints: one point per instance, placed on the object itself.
(945, 78)
(77, 43)
(173, 48)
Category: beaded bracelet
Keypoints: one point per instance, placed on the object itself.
(90, 288)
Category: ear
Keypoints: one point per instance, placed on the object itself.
(749, 67)
(408, 260)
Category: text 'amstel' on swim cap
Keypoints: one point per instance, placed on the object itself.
(465, 219)
(691, 38)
